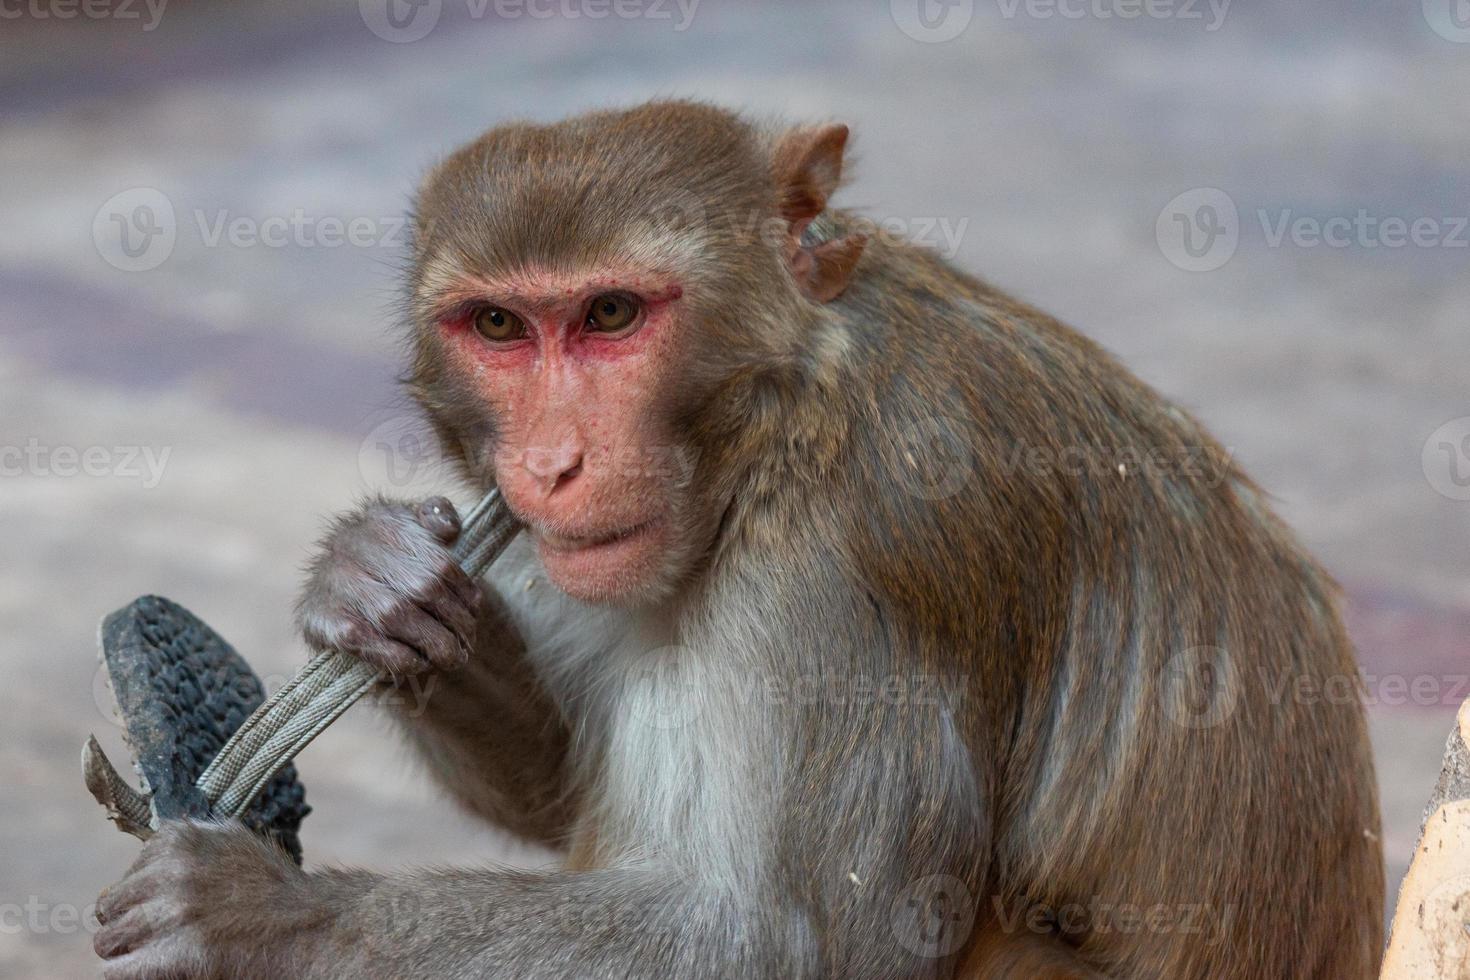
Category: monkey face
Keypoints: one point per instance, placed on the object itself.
(587, 298)
(577, 376)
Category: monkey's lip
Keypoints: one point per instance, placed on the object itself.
(570, 544)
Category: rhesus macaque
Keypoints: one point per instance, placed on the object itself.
(867, 622)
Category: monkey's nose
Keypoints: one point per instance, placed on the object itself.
(553, 468)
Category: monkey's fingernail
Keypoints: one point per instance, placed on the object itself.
(439, 516)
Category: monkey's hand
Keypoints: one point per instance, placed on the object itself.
(203, 901)
(386, 588)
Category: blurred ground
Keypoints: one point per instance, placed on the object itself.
(177, 419)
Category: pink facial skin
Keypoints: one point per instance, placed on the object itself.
(583, 454)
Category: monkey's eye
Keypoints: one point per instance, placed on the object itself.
(493, 323)
(611, 312)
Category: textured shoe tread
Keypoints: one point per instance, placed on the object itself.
(182, 691)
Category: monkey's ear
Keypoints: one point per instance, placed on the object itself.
(808, 167)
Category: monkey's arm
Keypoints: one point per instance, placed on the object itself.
(211, 900)
(851, 873)
(385, 587)
(489, 733)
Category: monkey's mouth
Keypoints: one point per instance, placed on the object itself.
(605, 566)
(568, 544)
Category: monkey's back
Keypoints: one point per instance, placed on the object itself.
(1164, 697)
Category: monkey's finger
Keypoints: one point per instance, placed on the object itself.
(134, 888)
(121, 938)
(160, 958)
(421, 632)
(448, 606)
(371, 647)
(116, 899)
(129, 931)
(467, 589)
(439, 517)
